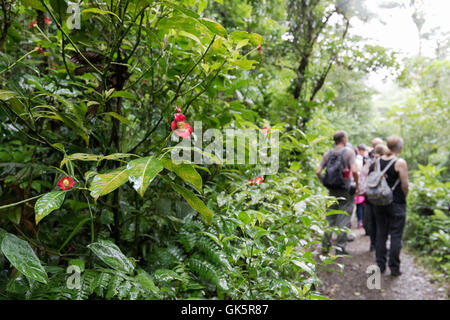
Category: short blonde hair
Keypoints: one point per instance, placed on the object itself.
(380, 149)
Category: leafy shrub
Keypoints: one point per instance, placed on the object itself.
(428, 220)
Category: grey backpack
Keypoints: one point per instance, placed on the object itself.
(378, 191)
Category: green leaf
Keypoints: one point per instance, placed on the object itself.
(214, 27)
(35, 4)
(21, 256)
(303, 266)
(105, 183)
(3, 233)
(124, 94)
(117, 116)
(99, 11)
(146, 281)
(142, 171)
(80, 157)
(195, 203)
(256, 39)
(117, 156)
(182, 9)
(110, 254)
(48, 203)
(15, 215)
(5, 95)
(79, 263)
(185, 171)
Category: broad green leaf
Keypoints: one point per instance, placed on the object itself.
(99, 11)
(196, 204)
(256, 39)
(190, 35)
(303, 266)
(48, 203)
(117, 156)
(80, 157)
(124, 94)
(185, 171)
(105, 183)
(35, 4)
(22, 257)
(182, 9)
(117, 116)
(110, 254)
(142, 171)
(214, 27)
(5, 95)
(244, 64)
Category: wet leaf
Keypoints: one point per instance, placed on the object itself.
(185, 171)
(110, 254)
(47, 203)
(105, 183)
(21, 256)
(142, 171)
(196, 204)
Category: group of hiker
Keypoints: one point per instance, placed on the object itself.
(375, 181)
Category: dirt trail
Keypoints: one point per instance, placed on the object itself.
(352, 284)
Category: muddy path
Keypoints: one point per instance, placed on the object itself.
(413, 284)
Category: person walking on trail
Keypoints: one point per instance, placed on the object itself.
(362, 171)
(375, 142)
(390, 218)
(339, 164)
(369, 222)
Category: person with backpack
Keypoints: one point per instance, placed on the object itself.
(387, 188)
(369, 221)
(339, 164)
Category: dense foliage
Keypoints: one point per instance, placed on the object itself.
(87, 182)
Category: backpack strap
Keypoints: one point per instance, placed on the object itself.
(395, 184)
(388, 165)
(386, 169)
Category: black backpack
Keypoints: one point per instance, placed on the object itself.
(334, 172)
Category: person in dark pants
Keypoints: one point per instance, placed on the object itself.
(369, 210)
(391, 219)
(346, 157)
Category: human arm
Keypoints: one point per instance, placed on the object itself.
(321, 166)
(402, 168)
(353, 168)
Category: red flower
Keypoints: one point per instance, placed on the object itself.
(41, 51)
(66, 183)
(259, 49)
(259, 180)
(250, 181)
(265, 130)
(181, 128)
(178, 109)
(48, 20)
(33, 23)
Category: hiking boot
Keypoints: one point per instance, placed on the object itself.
(341, 252)
(350, 237)
(395, 273)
